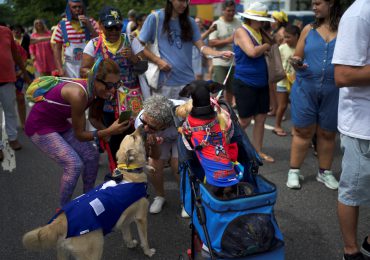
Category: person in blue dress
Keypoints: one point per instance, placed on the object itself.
(314, 95)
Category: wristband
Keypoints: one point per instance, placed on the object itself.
(96, 137)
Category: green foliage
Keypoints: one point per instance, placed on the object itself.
(26, 11)
(141, 6)
(6, 14)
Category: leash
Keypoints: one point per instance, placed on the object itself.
(226, 78)
(105, 147)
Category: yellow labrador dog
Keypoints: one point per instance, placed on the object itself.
(80, 227)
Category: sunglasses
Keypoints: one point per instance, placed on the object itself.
(113, 28)
(145, 123)
(110, 85)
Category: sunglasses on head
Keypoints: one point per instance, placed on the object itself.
(145, 123)
(113, 28)
(110, 85)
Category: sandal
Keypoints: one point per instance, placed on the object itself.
(279, 132)
(266, 157)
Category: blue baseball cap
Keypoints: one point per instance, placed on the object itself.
(110, 16)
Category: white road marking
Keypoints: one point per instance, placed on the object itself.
(268, 127)
(8, 163)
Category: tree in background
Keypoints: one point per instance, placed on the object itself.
(26, 11)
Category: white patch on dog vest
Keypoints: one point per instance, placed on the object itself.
(97, 206)
(84, 232)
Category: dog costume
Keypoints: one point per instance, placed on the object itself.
(211, 149)
(101, 207)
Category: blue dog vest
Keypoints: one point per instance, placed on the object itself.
(101, 207)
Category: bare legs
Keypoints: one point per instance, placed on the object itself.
(282, 104)
(348, 217)
(301, 141)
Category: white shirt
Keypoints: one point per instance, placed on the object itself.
(353, 49)
(224, 30)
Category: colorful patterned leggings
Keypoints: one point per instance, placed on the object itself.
(74, 156)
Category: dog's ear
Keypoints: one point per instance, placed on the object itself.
(130, 156)
(215, 87)
(187, 90)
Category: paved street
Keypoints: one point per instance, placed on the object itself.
(307, 217)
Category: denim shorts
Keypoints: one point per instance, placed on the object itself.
(354, 181)
(314, 103)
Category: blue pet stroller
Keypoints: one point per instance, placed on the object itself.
(239, 228)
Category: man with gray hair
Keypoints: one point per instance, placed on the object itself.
(156, 118)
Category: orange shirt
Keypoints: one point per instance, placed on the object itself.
(7, 64)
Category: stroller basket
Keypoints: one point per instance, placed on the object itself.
(232, 228)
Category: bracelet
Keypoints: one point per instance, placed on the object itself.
(96, 137)
(202, 48)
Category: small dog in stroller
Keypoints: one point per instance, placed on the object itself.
(208, 133)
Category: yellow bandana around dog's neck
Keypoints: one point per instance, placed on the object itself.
(124, 166)
(113, 47)
(256, 34)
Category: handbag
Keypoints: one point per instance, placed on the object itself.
(274, 64)
(140, 67)
(152, 73)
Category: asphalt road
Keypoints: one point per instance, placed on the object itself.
(307, 217)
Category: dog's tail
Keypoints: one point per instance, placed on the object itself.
(47, 236)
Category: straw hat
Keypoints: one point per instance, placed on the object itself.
(280, 16)
(258, 12)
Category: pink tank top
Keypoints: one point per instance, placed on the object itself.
(45, 117)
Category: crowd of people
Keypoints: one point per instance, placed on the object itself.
(101, 64)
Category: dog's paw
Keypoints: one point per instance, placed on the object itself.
(132, 244)
(149, 252)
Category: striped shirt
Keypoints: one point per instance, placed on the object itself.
(75, 33)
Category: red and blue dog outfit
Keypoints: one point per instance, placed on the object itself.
(211, 149)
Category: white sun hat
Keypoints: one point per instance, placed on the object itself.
(258, 12)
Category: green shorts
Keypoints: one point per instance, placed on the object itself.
(219, 75)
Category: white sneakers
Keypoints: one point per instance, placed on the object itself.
(184, 214)
(294, 176)
(328, 179)
(157, 205)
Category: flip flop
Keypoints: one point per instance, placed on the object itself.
(266, 157)
(279, 133)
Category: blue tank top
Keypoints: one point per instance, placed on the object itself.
(252, 71)
(318, 57)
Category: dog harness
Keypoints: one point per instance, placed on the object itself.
(211, 149)
(101, 207)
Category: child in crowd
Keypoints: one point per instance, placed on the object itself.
(291, 35)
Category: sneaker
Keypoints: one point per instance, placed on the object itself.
(328, 179)
(157, 205)
(15, 145)
(357, 256)
(294, 176)
(365, 248)
(184, 214)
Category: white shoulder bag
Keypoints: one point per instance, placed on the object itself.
(152, 73)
